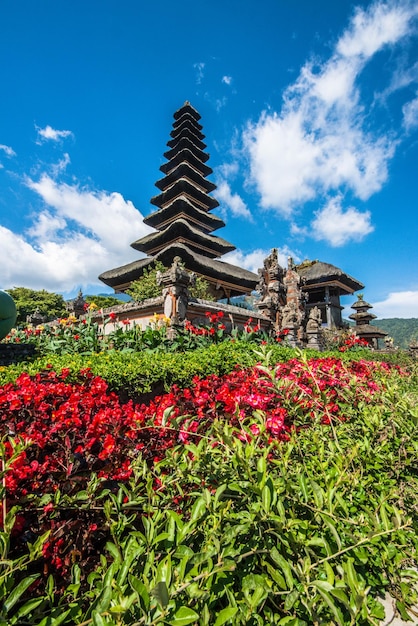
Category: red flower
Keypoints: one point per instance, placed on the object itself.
(112, 316)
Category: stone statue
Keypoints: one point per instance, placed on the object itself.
(8, 314)
(314, 329)
(289, 315)
(176, 282)
(314, 321)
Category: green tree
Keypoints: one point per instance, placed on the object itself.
(103, 302)
(146, 286)
(29, 300)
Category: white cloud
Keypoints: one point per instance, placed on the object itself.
(398, 304)
(233, 201)
(227, 80)
(320, 142)
(106, 216)
(370, 30)
(337, 226)
(81, 234)
(60, 167)
(7, 150)
(50, 134)
(410, 114)
(199, 67)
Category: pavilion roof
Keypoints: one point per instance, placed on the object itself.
(317, 273)
(239, 281)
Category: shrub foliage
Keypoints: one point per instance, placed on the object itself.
(277, 493)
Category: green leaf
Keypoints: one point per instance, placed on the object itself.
(285, 567)
(18, 592)
(28, 607)
(291, 599)
(225, 615)
(324, 588)
(303, 487)
(198, 510)
(103, 601)
(266, 498)
(160, 593)
(402, 610)
(97, 619)
(184, 616)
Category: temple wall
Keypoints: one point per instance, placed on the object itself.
(151, 312)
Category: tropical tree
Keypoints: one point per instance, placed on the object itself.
(147, 287)
(102, 302)
(28, 301)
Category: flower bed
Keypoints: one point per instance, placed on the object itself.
(267, 491)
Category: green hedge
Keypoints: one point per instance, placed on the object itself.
(138, 374)
(134, 374)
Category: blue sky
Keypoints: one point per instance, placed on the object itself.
(310, 111)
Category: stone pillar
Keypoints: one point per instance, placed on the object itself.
(271, 289)
(175, 282)
(293, 313)
(328, 307)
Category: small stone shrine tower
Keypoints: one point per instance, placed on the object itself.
(362, 318)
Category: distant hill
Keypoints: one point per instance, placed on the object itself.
(403, 331)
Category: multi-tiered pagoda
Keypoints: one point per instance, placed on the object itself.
(362, 317)
(183, 220)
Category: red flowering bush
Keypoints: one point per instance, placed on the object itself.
(160, 485)
(73, 429)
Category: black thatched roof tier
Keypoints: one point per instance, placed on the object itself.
(186, 171)
(362, 316)
(120, 278)
(184, 129)
(180, 230)
(181, 208)
(189, 109)
(236, 280)
(186, 122)
(186, 156)
(182, 187)
(318, 273)
(186, 143)
(368, 331)
(187, 133)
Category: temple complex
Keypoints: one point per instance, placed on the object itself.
(299, 299)
(183, 220)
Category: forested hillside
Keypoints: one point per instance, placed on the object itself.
(402, 330)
